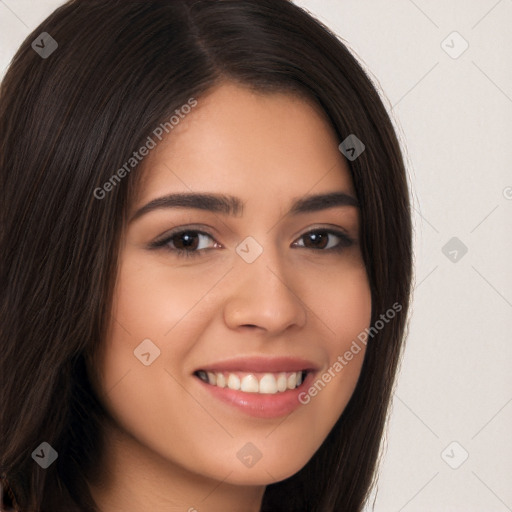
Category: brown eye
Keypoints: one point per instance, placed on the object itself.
(186, 240)
(324, 240)
(316, 240)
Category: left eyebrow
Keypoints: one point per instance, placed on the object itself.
(230, 205)
(319, 202)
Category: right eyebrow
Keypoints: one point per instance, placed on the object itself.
(216, 203)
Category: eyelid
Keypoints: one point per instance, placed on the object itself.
(163, 240)
(331, 228)
(345, 239)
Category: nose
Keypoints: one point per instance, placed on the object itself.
(262, 296)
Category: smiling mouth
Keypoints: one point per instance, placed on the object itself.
(267, 383)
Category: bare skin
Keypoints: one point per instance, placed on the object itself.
(172, 444)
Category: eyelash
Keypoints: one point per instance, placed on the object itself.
(345, 241)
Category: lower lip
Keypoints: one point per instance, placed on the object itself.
(261, 405)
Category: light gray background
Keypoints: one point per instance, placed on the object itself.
(453, 116)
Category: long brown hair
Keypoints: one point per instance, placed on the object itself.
(67, 123)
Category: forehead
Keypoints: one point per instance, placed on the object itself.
(271, 145)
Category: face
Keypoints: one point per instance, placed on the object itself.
(229, 308)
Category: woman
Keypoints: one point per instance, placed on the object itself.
(206, 261)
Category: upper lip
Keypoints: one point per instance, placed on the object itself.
(261, 364)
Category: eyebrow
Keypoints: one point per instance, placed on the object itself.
(230, 205)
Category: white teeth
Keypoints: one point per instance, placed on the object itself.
(267, 384)
(282, 382)
(233, 381)
(221, 380)
(250, 384)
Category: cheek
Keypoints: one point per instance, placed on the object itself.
(354, 315)
(150, 302)
(342, 302)
(344, 308)
(152, 298)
